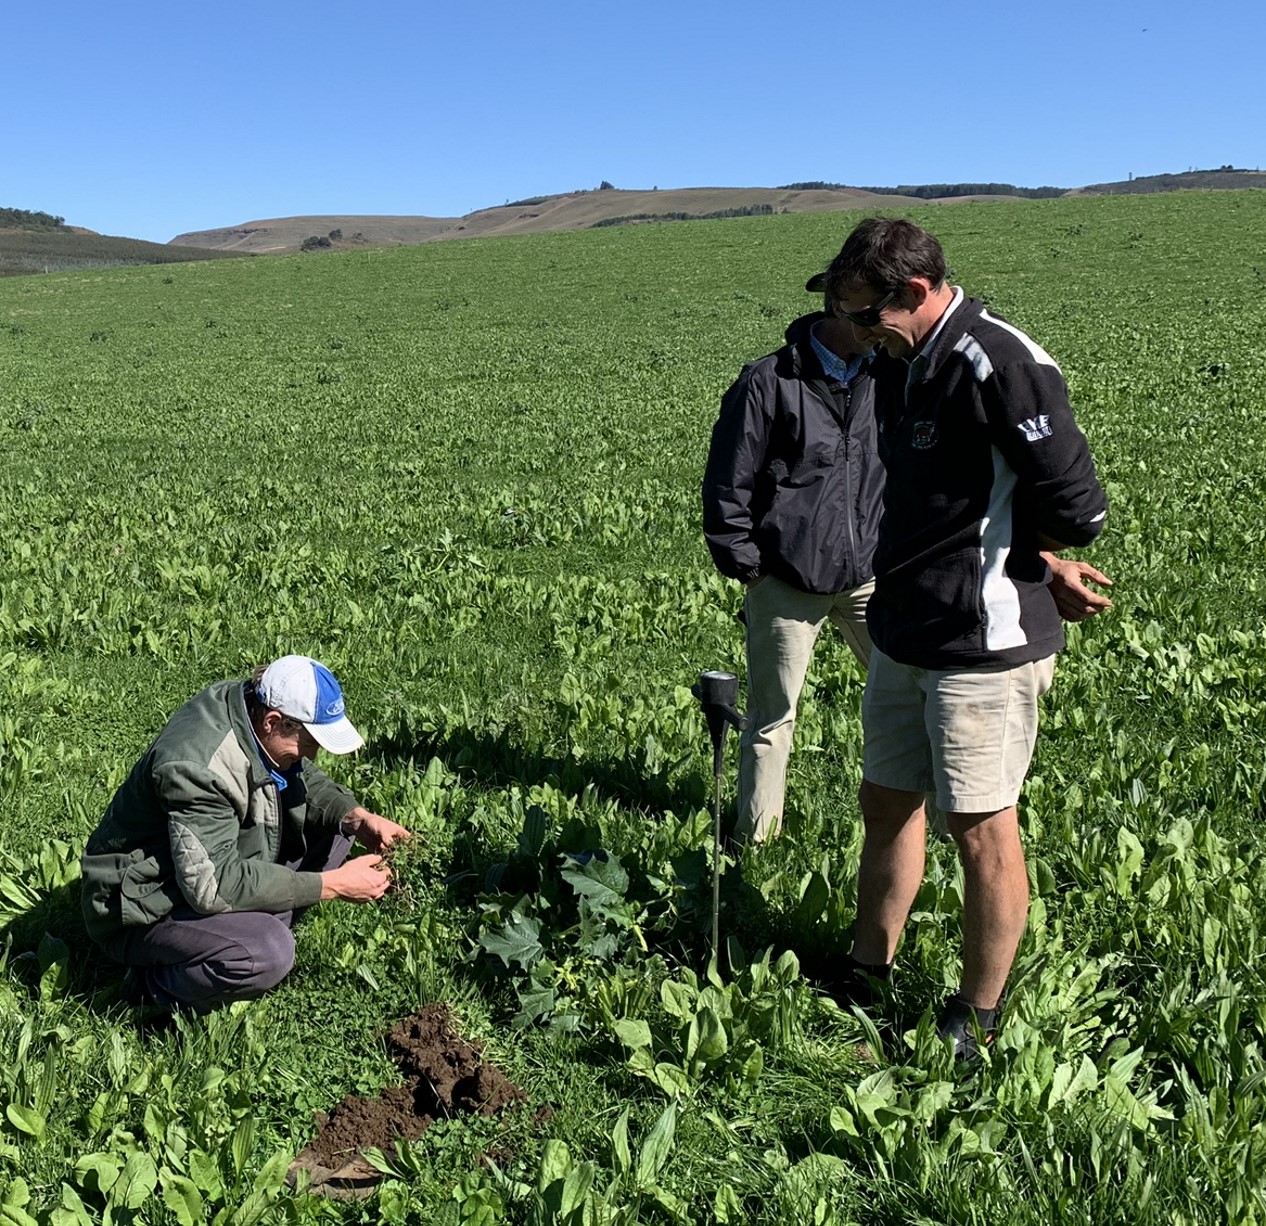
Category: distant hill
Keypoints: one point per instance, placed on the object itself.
(41, 242)
(1223, 178)
(539, 214)
(607, 206)
(32, 242)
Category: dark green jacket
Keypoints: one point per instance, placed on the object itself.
(200, 820)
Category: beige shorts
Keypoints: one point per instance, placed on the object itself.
(966, 734)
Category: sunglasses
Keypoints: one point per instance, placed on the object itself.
(868, 317)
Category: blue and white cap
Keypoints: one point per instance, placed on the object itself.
(303, 690)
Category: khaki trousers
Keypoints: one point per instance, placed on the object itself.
(782, 627)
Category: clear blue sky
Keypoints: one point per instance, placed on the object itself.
(147, 119)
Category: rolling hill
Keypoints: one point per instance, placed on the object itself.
(542, 214)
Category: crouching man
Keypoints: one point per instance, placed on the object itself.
(223, 831)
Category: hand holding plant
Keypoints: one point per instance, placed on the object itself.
(363, 879)
(373, 831)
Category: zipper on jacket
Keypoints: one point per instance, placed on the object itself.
(850, 412)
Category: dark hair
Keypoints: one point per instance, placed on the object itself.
(883, 253)
(255, 706)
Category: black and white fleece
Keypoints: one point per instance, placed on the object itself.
(985, 464)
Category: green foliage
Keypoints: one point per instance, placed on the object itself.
(56, 248)
(746, 210)
(29, 219)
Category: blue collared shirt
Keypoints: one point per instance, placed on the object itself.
(842, 370)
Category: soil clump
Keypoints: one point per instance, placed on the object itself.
(444, 1074)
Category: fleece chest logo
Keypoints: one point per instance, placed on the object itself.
(923, 436)
(1035, 428)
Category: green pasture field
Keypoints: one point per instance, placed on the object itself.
(465, 475)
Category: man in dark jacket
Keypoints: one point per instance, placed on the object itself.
(222, 831)
(791, 505)
(987, 476)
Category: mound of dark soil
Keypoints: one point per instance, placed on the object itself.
(444, 1074)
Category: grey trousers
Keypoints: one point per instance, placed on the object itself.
(197, 962)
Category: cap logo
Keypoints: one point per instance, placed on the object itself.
(335, 708)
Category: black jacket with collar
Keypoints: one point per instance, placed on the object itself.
(983, 458)
(793, 485)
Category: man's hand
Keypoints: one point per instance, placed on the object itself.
(1074, 600)
(372, 831)
(363, 879)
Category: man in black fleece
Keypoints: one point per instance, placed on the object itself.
(988, 476)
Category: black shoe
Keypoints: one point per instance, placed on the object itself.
(134, 991)
(849, 982)
(969, 1027)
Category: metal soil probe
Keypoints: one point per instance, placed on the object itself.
(717, 693)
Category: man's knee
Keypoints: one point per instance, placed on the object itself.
(273, 954)
(887, 807)
(250, 956)
(986, 841)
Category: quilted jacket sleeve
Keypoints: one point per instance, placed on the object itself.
(203, 827)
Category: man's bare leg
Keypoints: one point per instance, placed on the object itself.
(890, 872)
(995, 900)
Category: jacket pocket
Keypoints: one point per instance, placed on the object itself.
(145, 896)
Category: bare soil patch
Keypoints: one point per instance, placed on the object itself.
(444, 1074)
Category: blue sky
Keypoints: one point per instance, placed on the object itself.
(147, 119)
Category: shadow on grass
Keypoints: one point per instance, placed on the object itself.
(496, 759)
(92, 978)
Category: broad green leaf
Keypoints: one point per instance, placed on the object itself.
(933, 1099)
(603, 882)
(656, 1148)
(272, 1175)
(576, 1187)
(726, 1206)
(1129, 860)
(841, 1120)
(669, 1202)
(205, 1172)
(753, 1065)
(672, 1079)
(15, 1215)
(27, 1120)
(95, 1116)
(787, 968)
(54, 955)
(137, 1182)
(265, 1189)
(532, 836)
(815, 893)
(181, 1196)
(516, 941)
(633, 1032)
(534, 1003)
(1122, 1102)
(555, 1163)
(73, 1212)
(98, 1172)
(713, 1041)
(678, 999)
(241, 1143)
(620, 1146)
(1061, 1079)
